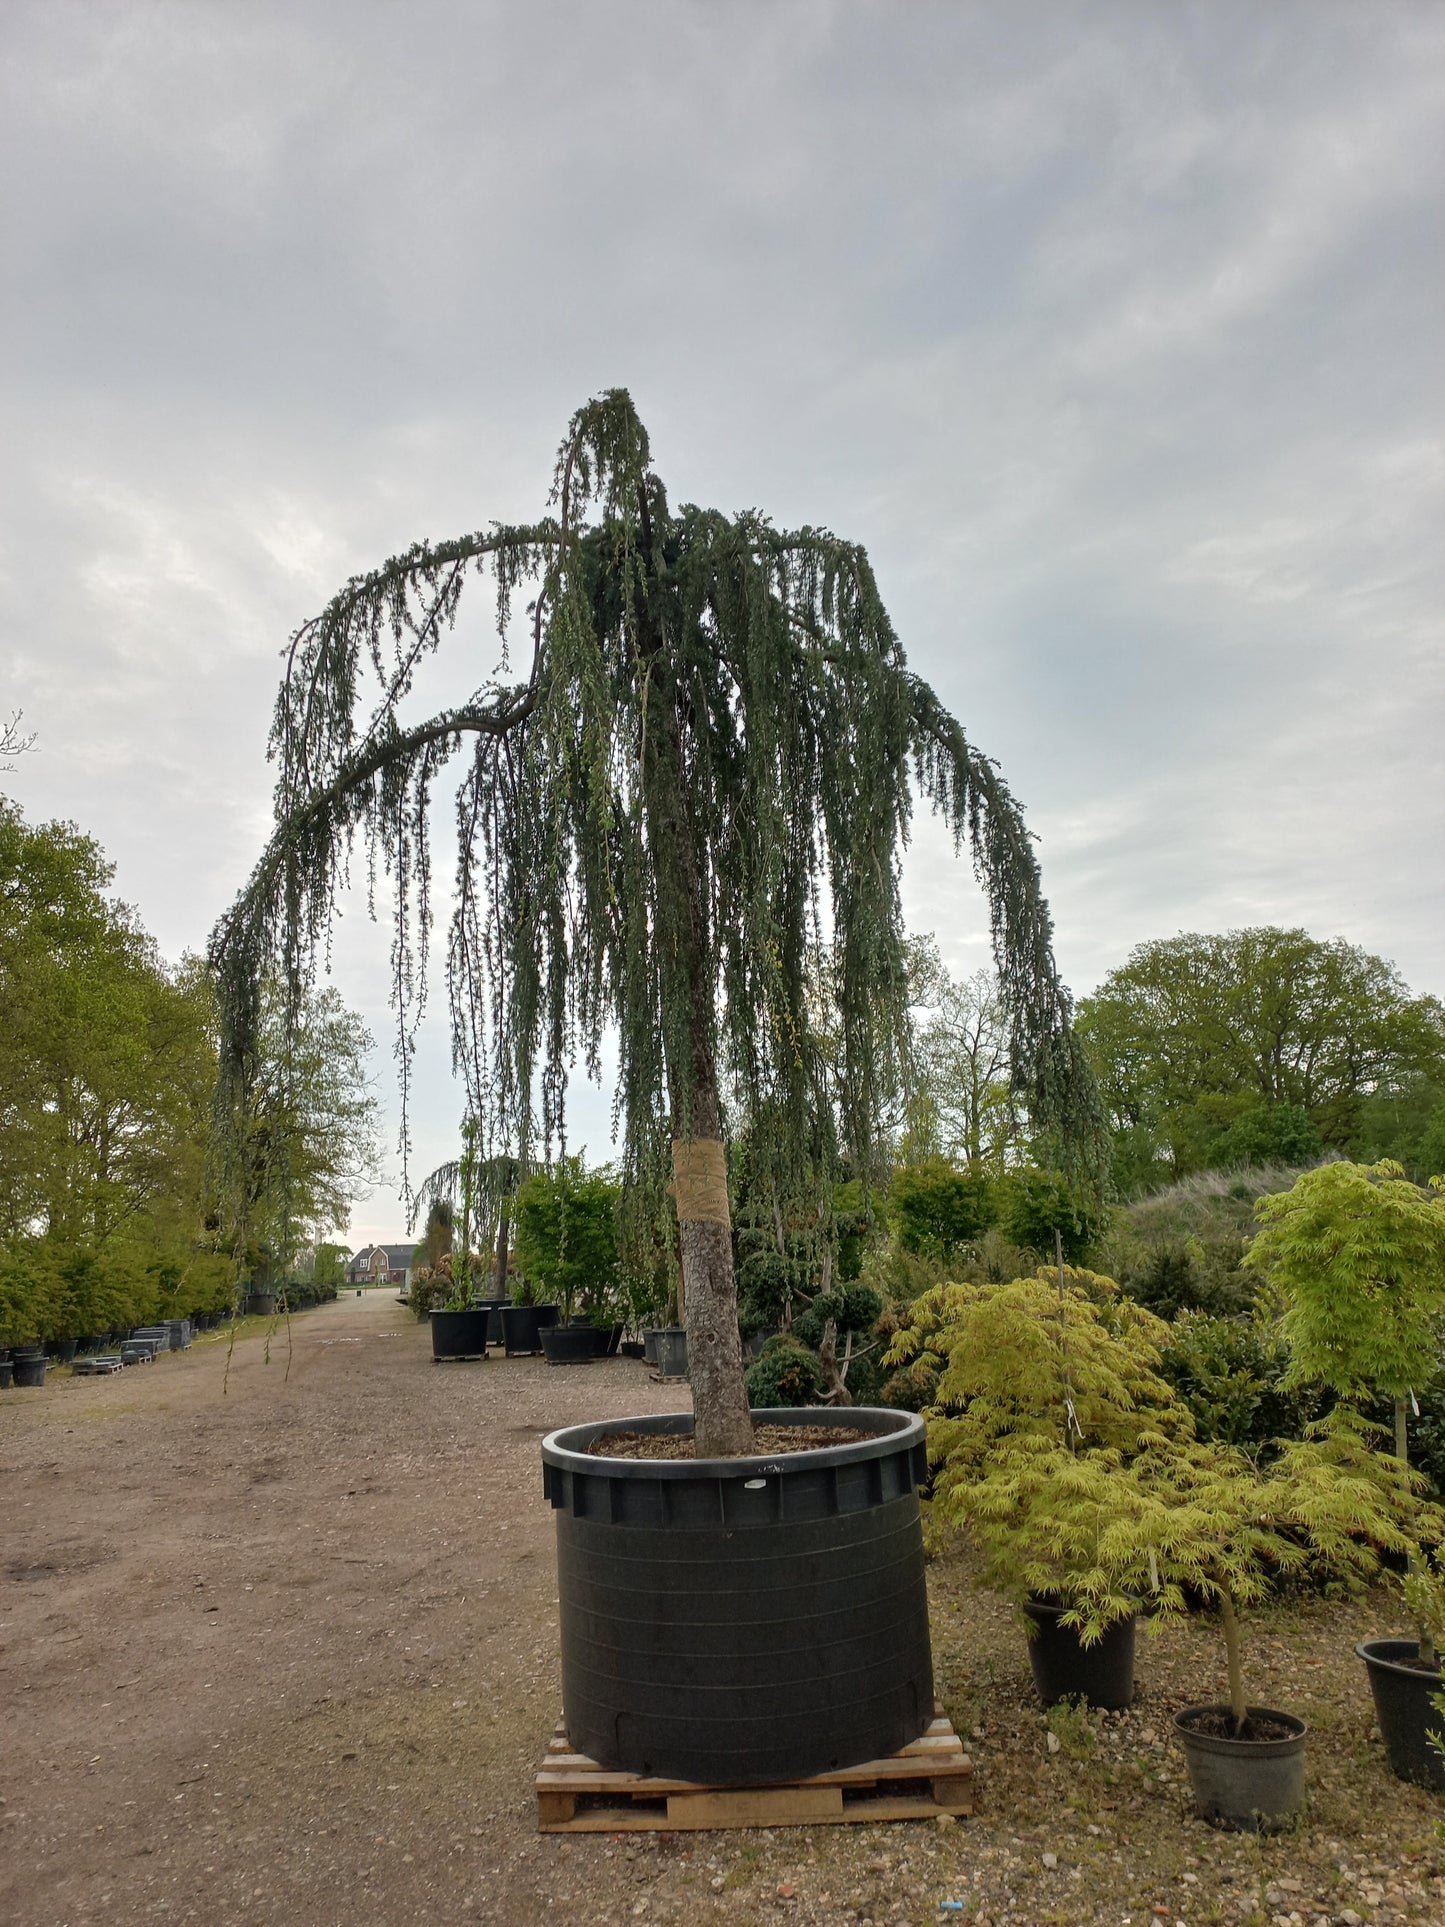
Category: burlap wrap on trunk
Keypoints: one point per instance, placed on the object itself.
(700, 1180)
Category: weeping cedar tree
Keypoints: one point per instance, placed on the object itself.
(706, 763)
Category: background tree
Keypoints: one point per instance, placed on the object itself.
(962, 1104)
(567, 1237)
(1260, 1045)
(303, 1146)
(13, 740)
(709, 758)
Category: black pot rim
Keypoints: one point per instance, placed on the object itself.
(1043, 1609)
(1242, 1749)
(893, 1431)
(1368, 1651)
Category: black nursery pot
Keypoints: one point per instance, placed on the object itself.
(7, 1373)
(1065, 1668)
(459, 1334)
(1407, 1718)
(574, 1344)
(30, 1367)
(743, 1621)
(520, 1331)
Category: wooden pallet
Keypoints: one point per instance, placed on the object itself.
(932, 1776)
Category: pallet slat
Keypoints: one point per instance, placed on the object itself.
(929, 1777)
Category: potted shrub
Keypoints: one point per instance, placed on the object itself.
(1045, 1390)
(459, 1328)
(1356, 1255)
(567, 1245)
(1224, 1527)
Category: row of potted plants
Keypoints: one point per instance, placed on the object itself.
(1070, 1462)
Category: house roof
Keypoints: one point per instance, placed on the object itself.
(398, 1257)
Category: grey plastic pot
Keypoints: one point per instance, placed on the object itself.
(1252, 1786)
(672, 1352)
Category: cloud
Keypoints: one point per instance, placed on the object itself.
(1111, 329)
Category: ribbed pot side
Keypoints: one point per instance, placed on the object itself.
(743, 1621)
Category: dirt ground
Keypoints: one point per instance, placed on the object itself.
(288, 1655)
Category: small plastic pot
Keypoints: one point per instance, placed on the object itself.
(1407, 1718)
(1249, 1786)
(1064, 1668)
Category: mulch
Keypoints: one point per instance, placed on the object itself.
(771, 1440)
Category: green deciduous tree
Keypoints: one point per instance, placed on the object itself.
(963, 1104)
(1250, 1047)
(568, 1246)
(709, 757)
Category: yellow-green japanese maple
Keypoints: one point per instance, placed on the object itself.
(1047, 1391)
(1357, 1254)
(1226, 1527)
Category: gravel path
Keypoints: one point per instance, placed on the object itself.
(288, 1655)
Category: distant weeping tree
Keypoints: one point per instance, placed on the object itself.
(705, 767)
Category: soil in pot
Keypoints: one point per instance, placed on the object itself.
(1253, 1782)
(1101, 1674)
(1403, 1691)
(743, 1621)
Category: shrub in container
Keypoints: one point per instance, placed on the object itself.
(1045, 1391)
(1356, 1255)
(1225, 1528)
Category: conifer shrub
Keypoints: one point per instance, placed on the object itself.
(787, 1373)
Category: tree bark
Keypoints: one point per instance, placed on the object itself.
(1236, 1666)
(504, 1236)
(722, 1423)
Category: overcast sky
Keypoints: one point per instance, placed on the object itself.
(1113, 331)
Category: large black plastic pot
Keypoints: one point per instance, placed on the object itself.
(261, 1304)
(459, 1334)
(1253, 1786)
(7, 1372)
(493, 1307)
(1101, 1674)
(1403, 1708)
(521, 1328)
(30, 1368)
(741, 1621)
(63, 1350)
(573, 1344)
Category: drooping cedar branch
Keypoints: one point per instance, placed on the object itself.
(707, 772)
